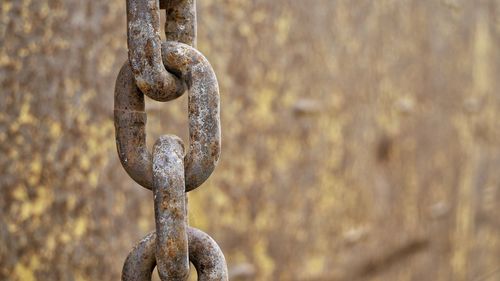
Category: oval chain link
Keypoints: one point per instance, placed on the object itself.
(144, 52)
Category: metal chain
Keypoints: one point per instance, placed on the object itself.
(162, 71)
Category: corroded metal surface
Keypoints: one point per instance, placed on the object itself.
(180, 24)
(168, 172)
(170, 209)
(206, 256)
(144, 45)
(203, 108)
(130, 128)
(204, 120)
(204, 253)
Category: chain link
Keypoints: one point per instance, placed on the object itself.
(168, 172)
(180, 24)
(144, 52)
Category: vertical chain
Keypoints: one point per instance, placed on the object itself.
(168, 172)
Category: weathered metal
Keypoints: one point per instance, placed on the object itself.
(203, 110)
(130, 128)
(204, 253)
(170, 208)
(167, 171)
(144, 52)
(180, 24)
(204, 118)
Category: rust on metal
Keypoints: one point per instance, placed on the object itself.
(130, 129)
(206, 256)
(203, 110)
(204, 118)
(144, 52)
(170, 208)
(180, 24)
(168, 172)
(204, 253)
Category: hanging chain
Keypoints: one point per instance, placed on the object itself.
(163, 71)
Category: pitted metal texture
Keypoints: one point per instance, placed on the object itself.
(168, 171)
(180, 24)
(144, 52)
(170, 208)
(204, 254)
(203, 111)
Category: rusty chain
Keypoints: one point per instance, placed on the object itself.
(163, 71)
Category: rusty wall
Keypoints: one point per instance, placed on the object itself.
(360, 140)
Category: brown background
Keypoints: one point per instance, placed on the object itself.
(360, 140)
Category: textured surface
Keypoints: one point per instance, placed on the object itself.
(360, 140)
(203, 114)
(144, 52)
(204, 253)
(172, 257)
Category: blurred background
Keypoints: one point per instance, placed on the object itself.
(361, 140)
